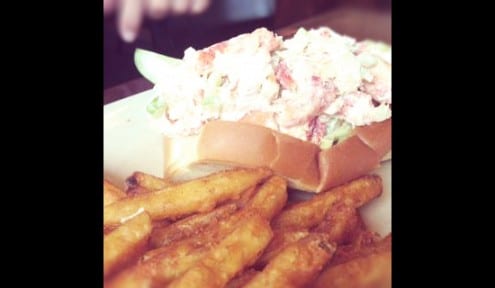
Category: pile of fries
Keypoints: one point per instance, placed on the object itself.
(236, 229)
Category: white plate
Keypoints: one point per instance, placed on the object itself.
(132, 144)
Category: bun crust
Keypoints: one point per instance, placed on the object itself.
(377, 136)
(245, 144)
(224, 144)
(345, 161)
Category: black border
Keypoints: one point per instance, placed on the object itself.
(422, 135)
(57, 97)
(55, 177)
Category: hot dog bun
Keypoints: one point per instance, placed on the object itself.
(224, 144)
(315, 108)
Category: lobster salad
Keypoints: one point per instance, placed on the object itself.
(316, 86)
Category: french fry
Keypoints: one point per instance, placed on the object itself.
(191, 225)
(342, 223)
(223, 237)
(234, 253)
(199, 195)
(281, 239)
(266, 202)
(198, 241)
(123, 245)
(246, 196)
(111, 193)
(137, 190)
(145, 182)
(160, 224)
(162, 265)
(161, 268)
(365, 244)
(242, 279)
(307, 214)
(372, 271)
(297, 264)
(215, 225)
(271, 197)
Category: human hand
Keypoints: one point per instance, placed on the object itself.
(130, 13)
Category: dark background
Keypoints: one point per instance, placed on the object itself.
(173, 35)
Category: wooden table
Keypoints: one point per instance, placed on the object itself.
(358, 23)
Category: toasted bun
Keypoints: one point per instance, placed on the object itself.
(222, 144)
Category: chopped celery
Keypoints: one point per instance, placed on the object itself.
(337, 130)
(156, 107)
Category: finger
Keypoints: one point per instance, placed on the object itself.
(199, 6)
(130, 16)
(180, 6)
(157, 9)
(108, 6)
